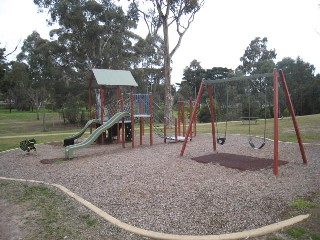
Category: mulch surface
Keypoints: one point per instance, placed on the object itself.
(56, 144)
(240, 162)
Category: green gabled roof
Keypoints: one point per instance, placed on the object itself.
(108, 77)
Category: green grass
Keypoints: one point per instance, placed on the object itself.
(302, 204)
(51, 214)
(308, 125)
(18, 124)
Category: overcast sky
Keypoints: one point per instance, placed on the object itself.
(219, 35)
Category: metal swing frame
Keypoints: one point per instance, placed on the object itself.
(275, 74)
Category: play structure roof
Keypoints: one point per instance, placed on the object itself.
(108, 77)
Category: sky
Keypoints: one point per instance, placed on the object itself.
(218, 37)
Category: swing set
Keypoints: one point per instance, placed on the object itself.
(276, 75)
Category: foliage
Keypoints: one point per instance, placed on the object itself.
(71, 111)
(177, 13)
(204, 114)
(303, 85)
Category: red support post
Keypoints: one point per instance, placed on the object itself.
(183, 121)
(151, 119)
(211, 105)
(195, 123)
(192, 117)
(165, 130)
(123, 127)
(175, 130)
(132, 116)
(118, 125)
(141, 119)
(90, 102)
(275, 123)
(102, 97)
(293, 116)
(190, 111)
(179, 118)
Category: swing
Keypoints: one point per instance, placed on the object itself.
(222, 140)
(265, 121)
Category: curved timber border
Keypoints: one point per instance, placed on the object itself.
(159, 235)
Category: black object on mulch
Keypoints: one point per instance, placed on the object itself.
(239, 162)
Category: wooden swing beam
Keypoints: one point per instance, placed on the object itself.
(209, 83)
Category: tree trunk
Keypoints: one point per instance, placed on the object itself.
(167, 72)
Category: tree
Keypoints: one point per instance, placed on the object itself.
(44, 68)
(193, 76)
(18, 76)
(94, 34)
(301, 83)
(91, 34)
(167, 13)
(257, 59)
(149, 64)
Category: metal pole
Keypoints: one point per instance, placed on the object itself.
(183, 121)
(275, 121)
(132, 116)
(190, 111)
(102, 93)
(293, 116)
(179, 118)
(123, 124)
(192, 117)
(90, 102)
(165, 130)
(118, 125)
(175, 130)
(151, 118)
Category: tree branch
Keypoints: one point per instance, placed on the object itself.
(13, 50)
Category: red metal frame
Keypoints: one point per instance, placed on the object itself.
(150, 119)
(165, 130)
(123, 127)
(132, 116)
(192, 117)
(275, 112)
(275, 123)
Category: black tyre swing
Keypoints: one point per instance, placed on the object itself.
(265, 121)
(222, 139)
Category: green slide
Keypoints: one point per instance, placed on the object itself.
(70, 140)
(95, 134)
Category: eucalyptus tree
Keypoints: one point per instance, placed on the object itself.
(149, 64)
(192, 77)
(157, 14)
(18, 76)
(95, 34)
(257, 58)
(44, 69)
(6, 84)
(302, 84)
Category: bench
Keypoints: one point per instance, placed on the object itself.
(252, 120)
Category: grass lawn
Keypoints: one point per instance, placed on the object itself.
(22, 125)
(55, 217)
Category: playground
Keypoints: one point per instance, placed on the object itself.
(152, 187)
(147, 184)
